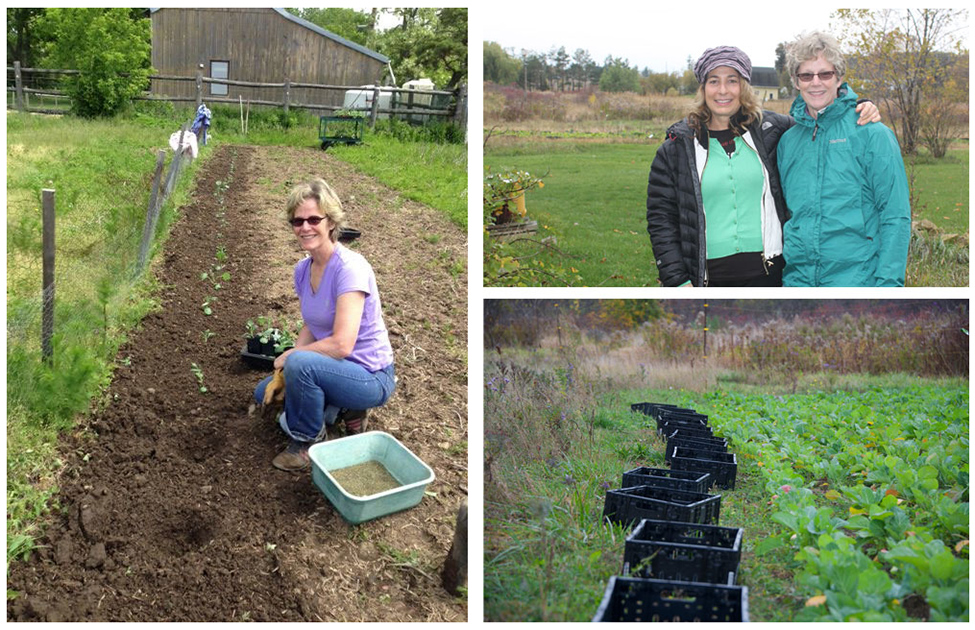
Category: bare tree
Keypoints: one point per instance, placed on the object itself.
(900, 55)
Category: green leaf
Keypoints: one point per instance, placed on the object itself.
(874, 581)
(943, 565)
(767, 545)
(787, 520)
(927, 472)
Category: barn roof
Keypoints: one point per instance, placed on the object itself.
(330, 35)
(764, 77)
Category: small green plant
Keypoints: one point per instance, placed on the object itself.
(215, 279)
(251, 329)
(207, 335)
(208, 305)
(268, 330)
(198, 373)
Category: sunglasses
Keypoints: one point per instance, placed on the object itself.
(806, 77)
(299, 221)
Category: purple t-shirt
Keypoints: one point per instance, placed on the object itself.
(346, 271)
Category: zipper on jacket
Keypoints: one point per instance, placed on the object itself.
(815, 129)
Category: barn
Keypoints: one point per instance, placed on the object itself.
(257, 45)
(765, 82)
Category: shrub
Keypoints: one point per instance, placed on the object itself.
(108, 48)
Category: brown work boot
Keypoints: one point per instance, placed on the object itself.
(355, 420)
(293, 458)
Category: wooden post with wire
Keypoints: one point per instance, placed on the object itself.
(47, 309)
(705, 330)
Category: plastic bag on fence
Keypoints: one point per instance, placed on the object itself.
(189, 142)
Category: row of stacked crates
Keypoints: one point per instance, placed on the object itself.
(679, 564)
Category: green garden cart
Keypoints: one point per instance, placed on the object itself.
(339, 130)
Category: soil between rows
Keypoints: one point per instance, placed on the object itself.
(170, 509)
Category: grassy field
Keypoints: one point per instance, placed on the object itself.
(806, 459)
(102, 173)
(594, 204)
(432, 173)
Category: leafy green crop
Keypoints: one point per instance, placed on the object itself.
(870, 492)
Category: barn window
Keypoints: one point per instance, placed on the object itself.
(219, 70)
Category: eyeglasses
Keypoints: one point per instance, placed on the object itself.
(806, 77)
(299, 221)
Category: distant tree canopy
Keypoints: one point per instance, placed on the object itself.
(429, 43)
(426, 42)
(498, 66)
(355, 26)
(618, 76)
(558, 70)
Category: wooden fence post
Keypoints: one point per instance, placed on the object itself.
(19, 81)
(287, 94)
(375, 107)
(199, 89)
(460, 110)
(47, 311)
(454, 574)
(152, 213)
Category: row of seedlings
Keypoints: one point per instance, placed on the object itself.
(678, 563)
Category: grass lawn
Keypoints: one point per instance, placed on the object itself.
(594, 203)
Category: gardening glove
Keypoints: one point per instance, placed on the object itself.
(274, 392)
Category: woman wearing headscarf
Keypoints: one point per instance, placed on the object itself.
(715, 207)
(845, 184)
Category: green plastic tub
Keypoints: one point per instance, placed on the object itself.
(412, 474)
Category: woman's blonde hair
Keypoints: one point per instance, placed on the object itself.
(749, 112)
(325, 198)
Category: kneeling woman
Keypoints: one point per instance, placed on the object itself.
(342, 362)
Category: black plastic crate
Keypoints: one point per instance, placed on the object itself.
(671, 414)
(687, 552)
(722, 466)
(629, 506)
(668, 427)
(691, 432)
(686, 480)
(640, 599)
(655, 409)
(719, 445)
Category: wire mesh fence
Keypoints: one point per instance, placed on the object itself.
(100, 253)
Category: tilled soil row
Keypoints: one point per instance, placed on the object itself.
(170, 510)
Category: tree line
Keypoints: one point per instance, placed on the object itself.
(103, 43)
(912, 62)
(557, 70)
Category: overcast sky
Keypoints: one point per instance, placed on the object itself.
(657, 35)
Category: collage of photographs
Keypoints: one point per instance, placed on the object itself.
(699, 352)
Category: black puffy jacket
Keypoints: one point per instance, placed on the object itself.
(675, 210)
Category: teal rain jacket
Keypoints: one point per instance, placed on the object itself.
(846, 187)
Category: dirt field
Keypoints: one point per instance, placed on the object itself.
(170, 509)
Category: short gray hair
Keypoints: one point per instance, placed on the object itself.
(812, 45)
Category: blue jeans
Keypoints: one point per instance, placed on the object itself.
(316, 387)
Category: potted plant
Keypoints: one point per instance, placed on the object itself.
(267, 339)
(504, 197)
